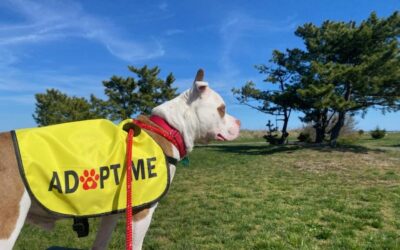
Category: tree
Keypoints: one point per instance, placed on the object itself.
(315, 100)
(129, 96)
(55, 107)
(125, 98)
(355, 67)
(278, 101)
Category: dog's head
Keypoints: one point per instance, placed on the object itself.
(199, 114)
(209, 108)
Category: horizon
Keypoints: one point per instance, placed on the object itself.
(73, 46)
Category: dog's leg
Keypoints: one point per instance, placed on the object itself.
(142, 220)
(104, 233)
(24, 205)
(141, 223)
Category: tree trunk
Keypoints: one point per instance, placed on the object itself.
(319, 134)
(336, 129)
(320, 128)
(342, 115)
(285, 134)
(286, 115)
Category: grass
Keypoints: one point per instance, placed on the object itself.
(255, 196)
(390, 140)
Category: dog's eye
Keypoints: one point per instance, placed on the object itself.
(221, 110)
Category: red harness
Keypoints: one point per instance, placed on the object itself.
(168, 132)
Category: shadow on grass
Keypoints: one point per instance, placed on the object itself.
(261, 149)
(349, 148)
(254, 149)
(61, 248)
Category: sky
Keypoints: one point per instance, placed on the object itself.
(74, 45)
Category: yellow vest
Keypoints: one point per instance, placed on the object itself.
(79, 168)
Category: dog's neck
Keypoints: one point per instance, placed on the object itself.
(177, 112)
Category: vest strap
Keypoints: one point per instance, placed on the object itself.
(81, 227)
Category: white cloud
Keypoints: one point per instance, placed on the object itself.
(41, 22)
(20, 99)
(7, 58)
(47, 21)
(18, 83)
(163, 6)
(237, 26)
(172, 32)
(131, 51)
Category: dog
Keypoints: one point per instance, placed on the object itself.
(197, 115)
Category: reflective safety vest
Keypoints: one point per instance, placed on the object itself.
(79, 168)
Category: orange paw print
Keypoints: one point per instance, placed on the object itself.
(89, 180)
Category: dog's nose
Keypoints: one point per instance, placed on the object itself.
(237, 122)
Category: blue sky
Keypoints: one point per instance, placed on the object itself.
(74, 45)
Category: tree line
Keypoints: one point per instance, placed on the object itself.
(125, 97)
(345, 69)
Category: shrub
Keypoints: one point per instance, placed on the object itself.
(378, 133)
(251, 134)
(349, 126)
(304, 137)
(307, 134)
(272, 139)
(276, 139)
(360, 132)
(349, 139)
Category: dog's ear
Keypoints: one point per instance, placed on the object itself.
(200, 85)
(199, 75)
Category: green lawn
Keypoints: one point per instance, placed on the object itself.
(390, 140)
(254, 196)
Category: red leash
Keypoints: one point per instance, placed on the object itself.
(128, 211)
(168, 132)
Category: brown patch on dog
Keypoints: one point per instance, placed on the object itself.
(11, 186)
(141, 214)
(221, 110)
(165, 145)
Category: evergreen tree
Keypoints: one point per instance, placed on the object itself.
(352, 67)
(129, 96)
(281, 99)
(315, 98)
(125, 98)
(345, 69)
(56, 107)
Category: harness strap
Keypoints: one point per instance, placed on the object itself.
(81, 226)
(168, 132)
(171, 160)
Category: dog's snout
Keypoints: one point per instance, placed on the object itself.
(237, 122)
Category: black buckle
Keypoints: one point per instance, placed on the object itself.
(81, 227)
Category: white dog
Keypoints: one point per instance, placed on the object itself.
(198, 114)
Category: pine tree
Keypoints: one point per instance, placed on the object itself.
(125, 97)
(279, 100)
(355, 67)
(129, 96)
(56, 107)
